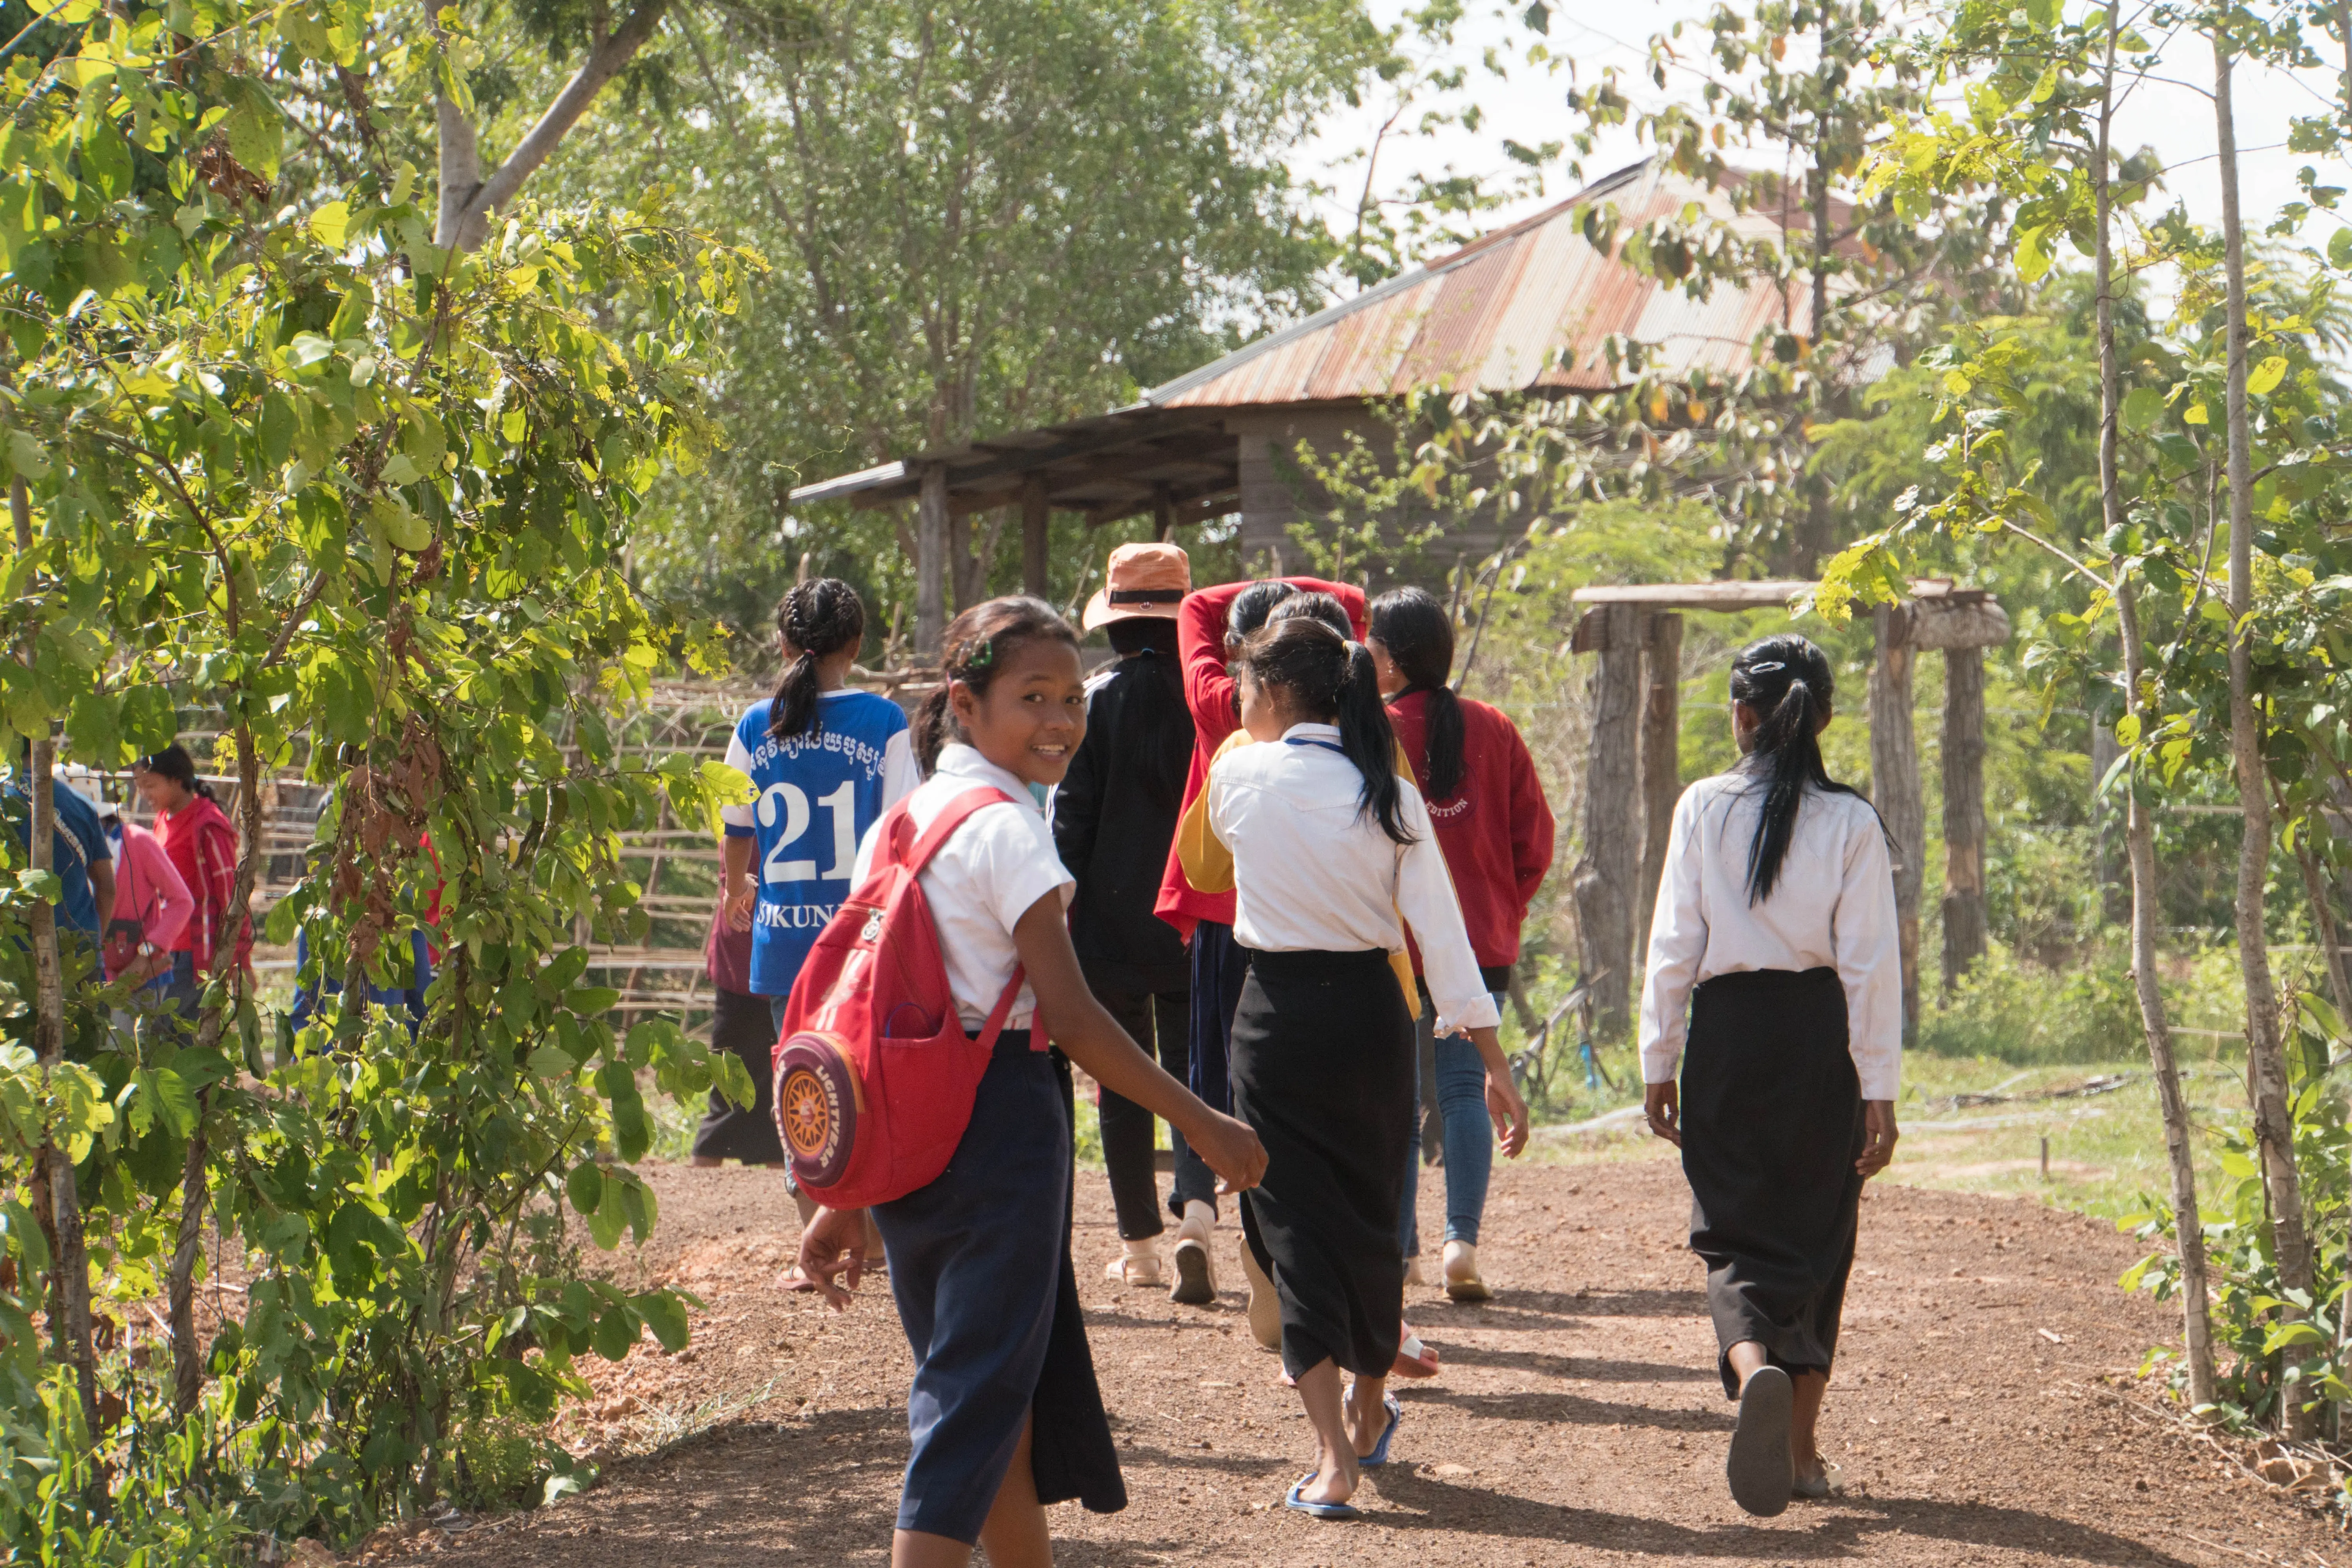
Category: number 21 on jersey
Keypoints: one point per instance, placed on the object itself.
(840, 806)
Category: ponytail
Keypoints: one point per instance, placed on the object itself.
(1330, 678)
(817, 619)
(976, 646)
(1415, 632)
(1786, 682)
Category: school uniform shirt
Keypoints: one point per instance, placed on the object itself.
(819, 793)
(1495, 830)
(1315, 873)
(1210, 692)
(1833, 907)
(990, 872)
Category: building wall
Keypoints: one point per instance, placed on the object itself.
(1277, 493)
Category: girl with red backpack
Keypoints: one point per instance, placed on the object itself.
(1330, 847)
(1004, 1412)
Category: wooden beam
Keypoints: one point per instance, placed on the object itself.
(931, 563)
(1895, 790)
(1694, 595)
(1194, 505)
(1606, 870)
(1213, 449)
(1163, 513)
(1964, 814)
(1003, 458)
(1036, 523)
(1662, 771)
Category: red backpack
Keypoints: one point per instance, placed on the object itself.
(873, 1073)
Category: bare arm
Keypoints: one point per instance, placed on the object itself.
(740, 892)
(1091, 1039)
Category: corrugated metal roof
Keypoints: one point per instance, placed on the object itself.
(1526, 306)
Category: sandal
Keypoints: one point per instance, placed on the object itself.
(1413, 1359)
(1140, 1271)
(1831, 1484)
(1379, 1454)
(1339, 1510)
(1760, 1468)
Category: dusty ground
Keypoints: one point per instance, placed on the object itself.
(1578, 1419)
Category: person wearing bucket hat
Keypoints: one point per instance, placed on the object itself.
(1113, 816)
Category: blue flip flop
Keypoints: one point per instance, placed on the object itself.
(1379, 1454)
(1338, 1511)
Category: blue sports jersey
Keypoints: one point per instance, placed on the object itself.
(818, 793)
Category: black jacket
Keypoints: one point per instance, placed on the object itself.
(1113, 828)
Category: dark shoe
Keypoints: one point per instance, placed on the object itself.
(1195, 1286)
(1762, 1468)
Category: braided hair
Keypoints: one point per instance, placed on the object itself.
(818, 619)
(1786, 682)
(978, 643)
(1418, 635)
(1332, 679)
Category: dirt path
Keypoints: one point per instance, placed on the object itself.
(1578, 1420)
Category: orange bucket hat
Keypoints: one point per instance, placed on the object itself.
(1141, 580)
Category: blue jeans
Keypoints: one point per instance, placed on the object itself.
(1469, 1141)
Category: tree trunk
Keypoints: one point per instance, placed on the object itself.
(1037, 527)
(931, 563)
(69, 1325)
(1895, 790)
(2323, 926)
(462, 219)
(1662, 775)
(1964, 816)
(2266, 1071)
(2139, 830)
(1605, 871)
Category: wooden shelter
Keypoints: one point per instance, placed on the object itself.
(1633, 774)
(1529, 306)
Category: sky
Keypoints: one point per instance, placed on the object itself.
(2175, 115)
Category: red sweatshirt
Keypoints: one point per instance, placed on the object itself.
(1209, 692)
(1497, 830)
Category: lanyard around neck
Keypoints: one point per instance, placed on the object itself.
(1311, 740)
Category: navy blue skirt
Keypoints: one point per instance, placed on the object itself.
(979, 1266)
(1220, 965)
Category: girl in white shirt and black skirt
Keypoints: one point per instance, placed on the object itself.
(1329, 847)
(1776, 934)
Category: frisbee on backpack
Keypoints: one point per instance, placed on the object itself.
(818, 1102)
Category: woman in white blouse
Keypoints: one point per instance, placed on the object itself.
(1329, 847)
(1776, 974)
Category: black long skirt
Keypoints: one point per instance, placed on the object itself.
(1323, 1070)
(746, 1026)
(1772, 1124)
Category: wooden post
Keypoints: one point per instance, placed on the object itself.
(1036, 518)
(1894, 787)
(932, 563)
(1611, 862)
(1163, 513)
(1661, 773)
(1964, 814)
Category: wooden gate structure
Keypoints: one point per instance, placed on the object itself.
(1633, 775)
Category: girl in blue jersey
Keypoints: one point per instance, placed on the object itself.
(827, 761)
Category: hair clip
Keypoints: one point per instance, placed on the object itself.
(1765, 668)
(981, 658)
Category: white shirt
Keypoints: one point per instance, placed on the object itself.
(1833, 907)
(1313, 873)
(983, 880)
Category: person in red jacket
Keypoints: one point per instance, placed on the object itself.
(202, 845)
(1488, 810)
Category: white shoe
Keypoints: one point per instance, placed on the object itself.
(1462, 1281)
(1196, 1272)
